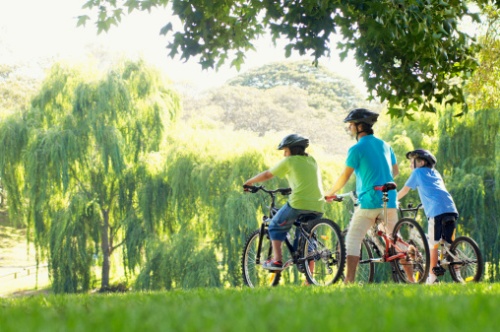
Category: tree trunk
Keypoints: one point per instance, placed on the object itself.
(105, 251)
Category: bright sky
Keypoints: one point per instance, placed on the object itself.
(36, 29)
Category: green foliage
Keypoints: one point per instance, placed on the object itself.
(411, 53)
(16, 89)
(468, 151)
(78, 157)
(180, 262)
(325, 90)
(287, 97)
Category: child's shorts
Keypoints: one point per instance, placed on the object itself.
(442, 225)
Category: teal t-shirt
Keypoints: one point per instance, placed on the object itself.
(372, 160)
(304, 178)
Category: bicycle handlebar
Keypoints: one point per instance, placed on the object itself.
(410, 208)
(340, 197)
(254, 189)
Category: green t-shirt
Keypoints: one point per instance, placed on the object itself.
(304, 178)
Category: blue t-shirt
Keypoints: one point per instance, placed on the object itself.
(433, 194)
(372, 160)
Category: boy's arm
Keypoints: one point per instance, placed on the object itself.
(403, 192)
(261, 177)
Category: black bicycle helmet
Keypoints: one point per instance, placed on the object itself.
(363, 115)
(422, 154)
(293, 140)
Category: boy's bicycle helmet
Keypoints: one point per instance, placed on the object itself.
(363, 115)
(424, 155)
(293, 140)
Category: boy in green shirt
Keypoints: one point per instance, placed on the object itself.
(302, 173)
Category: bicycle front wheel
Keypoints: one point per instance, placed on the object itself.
(253, 274)
(411, 243)
(466, 262)
(324, 252)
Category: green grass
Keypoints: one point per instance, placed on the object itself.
(382, 307)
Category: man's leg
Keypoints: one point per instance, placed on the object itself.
(352, 265)
(361, 221)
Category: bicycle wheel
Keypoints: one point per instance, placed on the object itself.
(466, 263)
(324, 252)
(411, 241)
(366, 267)
(253, 274)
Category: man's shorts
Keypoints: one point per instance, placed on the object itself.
(442, 225)
(361, 222)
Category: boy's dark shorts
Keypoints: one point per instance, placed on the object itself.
(443, 224)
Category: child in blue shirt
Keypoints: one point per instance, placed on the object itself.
(438, 204)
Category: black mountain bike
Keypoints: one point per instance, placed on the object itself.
(314, 245)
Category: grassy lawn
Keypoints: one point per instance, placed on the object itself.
(381, 307)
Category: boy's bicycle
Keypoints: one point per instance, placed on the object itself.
(407, 250)
(462, 258)
(317, 248)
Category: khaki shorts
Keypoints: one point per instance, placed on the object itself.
(361, 222)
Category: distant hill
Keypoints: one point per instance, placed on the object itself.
(292, 97)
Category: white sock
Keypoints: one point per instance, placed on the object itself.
(431, 278)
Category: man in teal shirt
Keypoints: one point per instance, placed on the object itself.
(302, 173)
(373, 162)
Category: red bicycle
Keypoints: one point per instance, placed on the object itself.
(406, 249)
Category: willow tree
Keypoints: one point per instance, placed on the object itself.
(76, 165)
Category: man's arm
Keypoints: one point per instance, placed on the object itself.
(341, 181)
(395, 170)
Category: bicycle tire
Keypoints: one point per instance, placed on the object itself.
(253, 274)
(365, 272)
(470, 263)
(410, 238)
(366, 268)
(325, 247)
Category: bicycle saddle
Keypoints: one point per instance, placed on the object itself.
(386, 187)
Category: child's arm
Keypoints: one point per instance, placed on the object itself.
(261, 177)
(403, 192)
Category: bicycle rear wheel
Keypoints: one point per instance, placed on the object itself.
(467, 263)
(410, 240)
(324, 252)
(253, 274)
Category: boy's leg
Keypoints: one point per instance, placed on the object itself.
(278, 254)
(433, 246)
(278, 228)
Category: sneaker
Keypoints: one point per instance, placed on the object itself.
(432, 279)
(459, 275)
(273, 265)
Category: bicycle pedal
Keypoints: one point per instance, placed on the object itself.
(438, 271)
